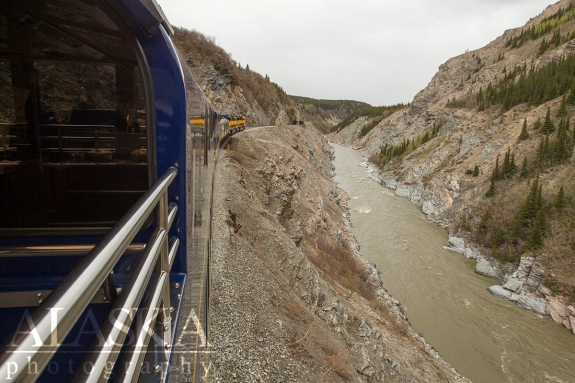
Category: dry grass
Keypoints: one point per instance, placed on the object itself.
(341, 264)
(199, 48)
(327, 357)
(239, 157)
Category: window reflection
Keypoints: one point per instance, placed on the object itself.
(73, 146)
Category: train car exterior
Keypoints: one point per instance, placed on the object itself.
(231, 125)
(104, 173)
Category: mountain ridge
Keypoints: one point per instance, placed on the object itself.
(443, 151)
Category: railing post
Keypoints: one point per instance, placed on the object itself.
(164, 322)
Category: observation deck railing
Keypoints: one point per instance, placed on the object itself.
(39, 339)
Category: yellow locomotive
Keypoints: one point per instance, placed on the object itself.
(230, 125)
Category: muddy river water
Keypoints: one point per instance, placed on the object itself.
(486, 338)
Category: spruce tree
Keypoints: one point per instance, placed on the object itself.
(535, 240)
(497, 174)
(540, 154)
(497, 238)
(540, 197)
(491, 191)
(548, 125)
(571, 97)
(538, 124)
(515, 230)
(507, 164)
(524, 169)
(524, 133)
(546, 150)
(531, 205)
(560, 203)
(561, 146)
(562, 112)
(475, 171)
(485, 220)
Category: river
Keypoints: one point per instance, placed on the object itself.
(485, 338)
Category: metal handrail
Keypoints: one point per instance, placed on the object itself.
(57, 250)
(113, 331)
(67, 302)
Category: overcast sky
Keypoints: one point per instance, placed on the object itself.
(378, 51)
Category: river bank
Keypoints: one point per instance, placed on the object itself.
(291, 299)
(523, 282)
(482, 336)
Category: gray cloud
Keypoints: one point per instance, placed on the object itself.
(380, 52)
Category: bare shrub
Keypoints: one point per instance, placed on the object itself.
(240, 158)
(341, 264)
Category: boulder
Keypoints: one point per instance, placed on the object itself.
(536, 305)
(524, 268)
(502, 292)
(484, 267)
(471, 253)
(513, 285)
(456, 244)
(559, 312)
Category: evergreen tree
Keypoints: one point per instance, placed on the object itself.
(540, 154)
(538, 124)
(543, 47)
(515, 230)
(524, 133)
(491, 191)
(546, 150)
(524, 169)
(497, 238)
(475, 171)
(571, 97)
(561, 146)
(535, 240)
(548, 125)
(497, 174)
(560, 203)
(485, 220)
(562, 112)
(540, 197)
(507, 163)
(531, 205)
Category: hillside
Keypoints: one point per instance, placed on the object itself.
(325, 114)
(292, 298)
(235, 90)
(231, 89)
(487, 150)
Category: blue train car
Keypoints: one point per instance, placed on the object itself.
(99, 197)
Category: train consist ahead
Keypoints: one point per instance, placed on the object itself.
(103, 189)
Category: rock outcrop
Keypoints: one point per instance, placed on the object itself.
(291, 297)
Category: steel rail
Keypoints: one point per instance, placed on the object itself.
(130, 366)
(37, 340)
(110, 340)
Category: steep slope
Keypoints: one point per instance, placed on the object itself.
(325, 114)
(292, 299)
(234, 90)
(458, 150)
(231, 89)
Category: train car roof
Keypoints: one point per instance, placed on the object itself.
(149, 15)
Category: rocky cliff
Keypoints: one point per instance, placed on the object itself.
(459, 152)
(231, 89)
(291, 297)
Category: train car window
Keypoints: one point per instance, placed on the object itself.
(73, 145)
